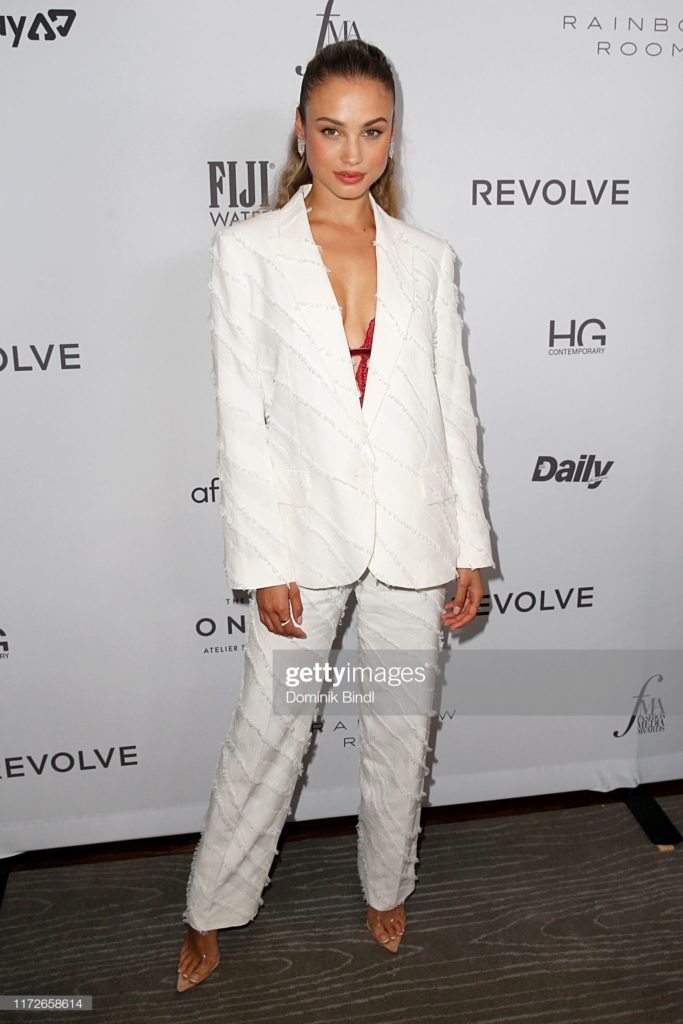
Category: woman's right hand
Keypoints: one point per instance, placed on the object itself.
(275, 604)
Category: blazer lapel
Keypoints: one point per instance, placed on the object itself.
(302, 263)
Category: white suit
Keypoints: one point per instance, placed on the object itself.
(315, 488)
(384, 500)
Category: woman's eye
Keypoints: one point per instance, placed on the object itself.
(377, 131)
(328, 130)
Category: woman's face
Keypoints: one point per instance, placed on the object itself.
(349, 125)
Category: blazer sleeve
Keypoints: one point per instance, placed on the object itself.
(453, 384)
(256, 551)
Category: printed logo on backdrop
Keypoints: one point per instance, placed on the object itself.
(26, 359)
(203, 495)
(45, 28)
(648, 711)
(619, 35)
(587, 469)
(583, 338)
(224, 633)
(332, 31)
(4, 645)
(557, 600)
(551, 192)
(67, 762)
(238, 189)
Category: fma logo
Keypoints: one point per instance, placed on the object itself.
(648, 712)
(587, 470)
(241, 185)
(331, 31)
(583, 338)
(43, 27)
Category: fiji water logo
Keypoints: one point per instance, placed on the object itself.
(648, 711)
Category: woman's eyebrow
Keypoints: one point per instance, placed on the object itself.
(366, 125)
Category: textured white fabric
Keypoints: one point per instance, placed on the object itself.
(262, 755)
(315, 488)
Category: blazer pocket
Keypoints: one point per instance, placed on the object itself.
(436, 484)
(292, 486)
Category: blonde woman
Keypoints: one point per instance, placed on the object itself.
(348, 462)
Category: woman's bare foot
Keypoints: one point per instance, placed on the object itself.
(198, 955)
(387, 925)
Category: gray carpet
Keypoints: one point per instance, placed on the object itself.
(552, 917)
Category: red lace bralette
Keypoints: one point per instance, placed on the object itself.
(364, 353)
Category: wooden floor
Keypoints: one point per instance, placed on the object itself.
(536, 911)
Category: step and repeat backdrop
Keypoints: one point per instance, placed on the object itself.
(544, 141)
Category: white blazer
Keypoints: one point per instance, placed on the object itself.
(314, 488)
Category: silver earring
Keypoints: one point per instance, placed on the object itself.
(301, 146)
(391, 149)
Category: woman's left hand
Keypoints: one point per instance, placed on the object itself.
(469, 591)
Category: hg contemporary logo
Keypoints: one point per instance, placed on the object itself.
(43, 27)
(648, 711)
(328, 31)
(587, 470)
(243, 185)
(581, 342)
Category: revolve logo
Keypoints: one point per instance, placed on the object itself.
(57, 357)
(41, 28)
(587, 469)
(582, 337)
(552, 192)
(242, 186)
(524, 601)
(65, 762)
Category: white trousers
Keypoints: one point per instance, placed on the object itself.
(262, 755)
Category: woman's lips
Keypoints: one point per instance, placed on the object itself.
(348, 178)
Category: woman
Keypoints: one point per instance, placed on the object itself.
(347, 458)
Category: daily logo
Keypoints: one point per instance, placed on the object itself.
(39, 28)
(587, 469)
(4, 645)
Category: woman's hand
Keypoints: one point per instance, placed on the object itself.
(275, 604)
(469, 591)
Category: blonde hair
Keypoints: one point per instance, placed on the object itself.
(348, 58)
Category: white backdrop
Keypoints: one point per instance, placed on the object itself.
(121, 645)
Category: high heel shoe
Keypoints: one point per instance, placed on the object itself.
(184, 982)
(392, 944)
